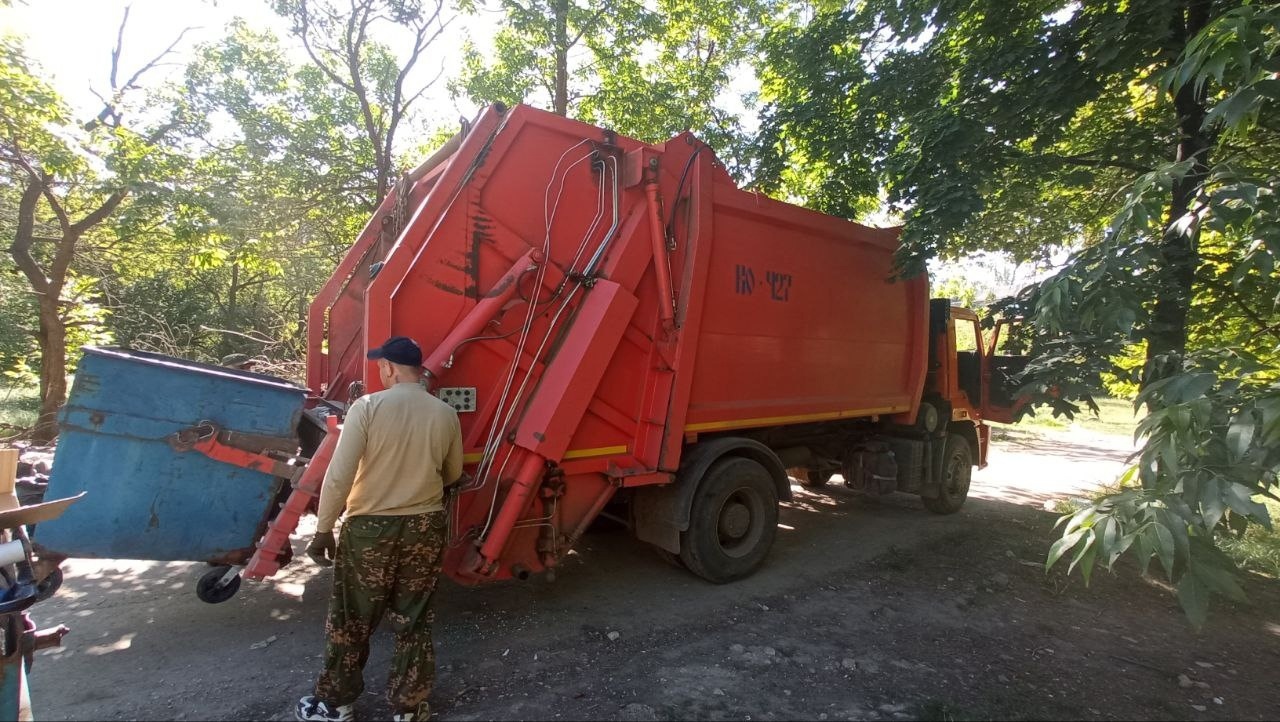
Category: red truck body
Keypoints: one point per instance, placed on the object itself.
(619, 323)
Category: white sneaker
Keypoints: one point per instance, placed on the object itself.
(422, 714)
(313, 709)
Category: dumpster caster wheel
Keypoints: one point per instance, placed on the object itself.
(49, 585)
(214, 587)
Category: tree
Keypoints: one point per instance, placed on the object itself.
(554, 46)
(340, 44)
(71, 178)
(646, 70)
(1135, 131)
(267, 201)
(1211, 438)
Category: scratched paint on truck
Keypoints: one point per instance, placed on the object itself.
(145, 500)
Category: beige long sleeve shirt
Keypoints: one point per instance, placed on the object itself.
(398, 449)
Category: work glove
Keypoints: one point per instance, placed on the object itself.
(323, 549)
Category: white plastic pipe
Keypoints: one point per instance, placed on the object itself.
(12, 552)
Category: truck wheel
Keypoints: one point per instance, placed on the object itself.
(733, 521)
(957, 470)
(810, 478)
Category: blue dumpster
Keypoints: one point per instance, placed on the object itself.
(147, 499)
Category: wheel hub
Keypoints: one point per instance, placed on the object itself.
(735, 519)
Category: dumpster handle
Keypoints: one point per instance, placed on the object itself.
(186, 439)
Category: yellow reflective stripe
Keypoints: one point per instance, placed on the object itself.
(602, 451)
(777, 420)
(576, 454)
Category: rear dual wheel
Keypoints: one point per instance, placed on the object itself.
(733, 521)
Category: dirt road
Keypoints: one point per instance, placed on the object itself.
(863, 611)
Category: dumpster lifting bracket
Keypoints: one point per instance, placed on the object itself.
(206, 438)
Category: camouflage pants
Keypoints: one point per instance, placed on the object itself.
(385, 565)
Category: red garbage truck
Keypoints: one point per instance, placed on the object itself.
(618, 324)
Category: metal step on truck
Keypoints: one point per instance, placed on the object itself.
(617, 324)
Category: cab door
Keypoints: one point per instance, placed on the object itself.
(1001, 371)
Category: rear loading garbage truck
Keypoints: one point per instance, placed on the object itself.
(616, 323)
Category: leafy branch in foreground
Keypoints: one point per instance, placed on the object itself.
(1210, 443)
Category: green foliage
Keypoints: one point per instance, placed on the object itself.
(19, 406)
(64, 180)
(1126, 371)
(34, 111)
(1115, 417)
(1210, 450)
(1141, 135)
(1211, 441)
(1258, 548)
(269, 200)
(237, 205)
(351, 65)
(648, 71)
(17, 338)
(989, 125)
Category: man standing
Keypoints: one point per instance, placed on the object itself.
(398, 449)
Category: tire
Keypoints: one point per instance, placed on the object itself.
(810, 478)
(957, 471)
(733, 521)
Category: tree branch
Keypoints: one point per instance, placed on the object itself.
(20, 249)
(109, 111)
(101, 212)
(1263, 325)
(303, 31)
(1084, 160)
(43, 179)
(587, 26)
(115, 52)
(133, 79)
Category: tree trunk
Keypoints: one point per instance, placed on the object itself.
(233, 296)
(384, 176)
(53, 370)
(560, 104)
(1179, 248)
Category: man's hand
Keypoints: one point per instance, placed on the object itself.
(323, 549)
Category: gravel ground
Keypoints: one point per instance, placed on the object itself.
(863, 611)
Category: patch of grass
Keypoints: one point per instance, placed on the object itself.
(19, 406)
(1259, 549)
(1115, 417)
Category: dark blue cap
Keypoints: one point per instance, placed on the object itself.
(398, 350)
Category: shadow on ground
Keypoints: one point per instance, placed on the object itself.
(863, 611)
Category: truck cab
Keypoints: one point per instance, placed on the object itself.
(968, 381)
